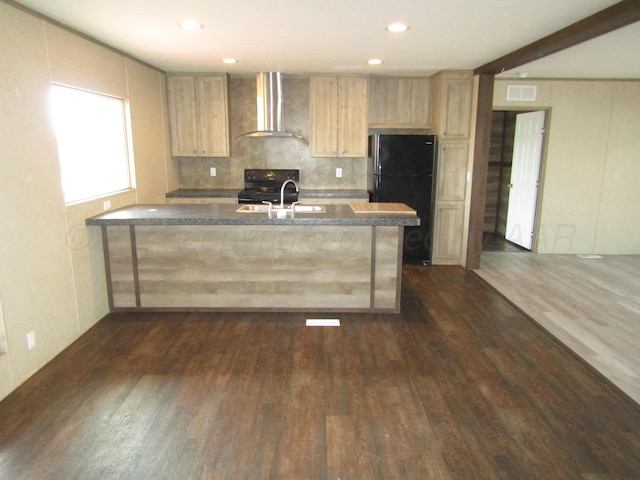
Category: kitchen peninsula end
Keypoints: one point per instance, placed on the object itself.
(211, 257)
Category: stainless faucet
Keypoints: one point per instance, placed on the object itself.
(282, 190)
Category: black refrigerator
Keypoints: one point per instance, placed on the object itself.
(404, 171)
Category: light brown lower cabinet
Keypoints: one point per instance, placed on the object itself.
(254, 267)
(449, 228)
(451, 192)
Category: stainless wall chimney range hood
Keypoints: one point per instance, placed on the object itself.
(269, 103)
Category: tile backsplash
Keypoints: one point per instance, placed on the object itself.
(271, 152)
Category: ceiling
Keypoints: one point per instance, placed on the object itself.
(339, 36)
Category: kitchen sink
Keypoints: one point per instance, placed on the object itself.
(309, 208)
(263, 208)
(253, 208)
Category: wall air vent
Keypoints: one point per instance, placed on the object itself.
(521, 93)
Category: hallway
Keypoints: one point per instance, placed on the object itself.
(591, 305)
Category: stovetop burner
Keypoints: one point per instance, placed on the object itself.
(263, 185)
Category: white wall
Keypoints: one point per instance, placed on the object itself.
(590, 192)
(52, 279)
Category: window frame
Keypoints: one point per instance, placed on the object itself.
(127, 145)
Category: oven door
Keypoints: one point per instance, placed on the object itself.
(259, 195)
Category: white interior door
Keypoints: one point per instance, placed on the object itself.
(525, 176)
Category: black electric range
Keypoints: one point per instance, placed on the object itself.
(263, 185)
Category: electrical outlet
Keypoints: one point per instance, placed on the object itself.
(212, 171)
(31, 340)
(338, 172)
(106, 205)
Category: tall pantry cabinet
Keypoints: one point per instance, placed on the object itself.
(451, 96)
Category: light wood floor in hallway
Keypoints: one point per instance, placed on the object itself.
(592, 305)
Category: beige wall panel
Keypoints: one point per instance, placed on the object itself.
(36, 284)
(543, 94)
(81, 63)
(52, 280)
(148, 130)
(619, 215)
(6, 376)
(590, 165)
(87, 255)
(574, 169)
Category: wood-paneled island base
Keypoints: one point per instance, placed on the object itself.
(210, 257)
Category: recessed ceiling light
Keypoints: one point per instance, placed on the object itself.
(374, 61)
(229, 60)
(191, 25)
(397, 27)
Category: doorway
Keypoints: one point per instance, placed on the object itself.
(509, 216)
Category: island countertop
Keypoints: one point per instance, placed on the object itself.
(226, 214)
(304, 194)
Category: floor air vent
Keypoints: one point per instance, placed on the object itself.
(323, 322)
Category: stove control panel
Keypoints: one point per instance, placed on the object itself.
(269, 176)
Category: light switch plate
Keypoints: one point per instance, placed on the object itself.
(212, 171)
(31, 340)
(338, 172)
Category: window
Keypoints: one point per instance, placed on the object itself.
(93, 147)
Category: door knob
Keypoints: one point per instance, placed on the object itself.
(510, 185)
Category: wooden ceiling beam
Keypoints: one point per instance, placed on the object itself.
(616, 16)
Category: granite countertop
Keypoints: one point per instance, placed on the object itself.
(204, 193)
(225, 214)
(324, 193)
(233, 192)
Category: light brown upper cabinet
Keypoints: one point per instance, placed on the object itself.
(399, 102)
(451, 104)
(338, 116)
(198, 115)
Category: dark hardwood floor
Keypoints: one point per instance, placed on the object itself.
(459, 385)
(494, 242)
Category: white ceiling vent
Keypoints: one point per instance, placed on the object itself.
(521, 93)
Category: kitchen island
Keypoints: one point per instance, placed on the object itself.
(212, 257)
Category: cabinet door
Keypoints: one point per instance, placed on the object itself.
(182, 116)
(451, 193)
(213, 116)
(324, 116)
(448, 234)
(457, 108)
(452, 171)
(397, 102)
(352, 120)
